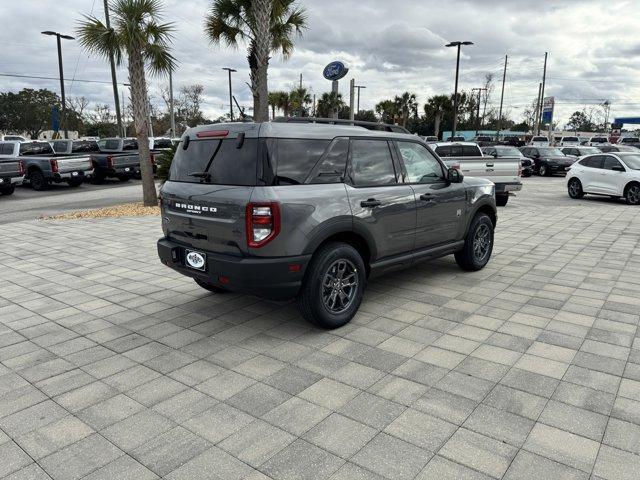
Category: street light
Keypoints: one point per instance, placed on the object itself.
(455, 94)
(230, 70)
(359, 87)
(64, 105)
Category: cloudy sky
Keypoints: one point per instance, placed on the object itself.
(390, 46)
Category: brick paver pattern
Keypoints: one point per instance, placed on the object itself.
(114, 366)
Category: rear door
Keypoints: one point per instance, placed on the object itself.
(380, 203)
(440, 205)
(591, 173)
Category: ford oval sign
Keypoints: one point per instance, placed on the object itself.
(335, 71)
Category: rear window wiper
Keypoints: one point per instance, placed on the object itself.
(204, 175)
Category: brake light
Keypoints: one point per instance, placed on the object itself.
(21, 167)
(109, 161)
(153, 159)
(263, 223)
(212, 133)
(54, 165)
(520, 170)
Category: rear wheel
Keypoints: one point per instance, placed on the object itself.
(574, 188)
(210, 286)
(544, 171)
(8, 190)
(333, 286)
(37, 181)
(124, 178)
(632, 194)
(76, 182)
(478, 244)
(98, 178)
(501, 200)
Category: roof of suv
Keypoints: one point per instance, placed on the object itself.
(293, 130)
(446, 144)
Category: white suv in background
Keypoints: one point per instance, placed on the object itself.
(598, 140)
(613, 174)
(539, 141)
(569, 142)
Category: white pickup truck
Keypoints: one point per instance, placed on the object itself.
(43, 167)
(505, 172)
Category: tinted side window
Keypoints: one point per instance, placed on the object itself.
(593, 162)
(421, 165)
(227, 164)
(6, 149)
(371, 163)
(610, 162)
(443, 151)
(59, 146)
(294, 158)
(470, 151)
(330, 168)
(113, 144)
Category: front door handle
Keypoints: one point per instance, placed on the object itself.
(489, 164)
(427, 197)
(370, 203)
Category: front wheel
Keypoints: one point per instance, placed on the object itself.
(544, 171)
(574, 188)
(632, 194)
(478, 244)
(501, 200)
(333, 286)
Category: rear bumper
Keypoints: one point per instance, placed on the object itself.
(119, 171)
(72, 175)
(265, 277)
(6, 181)
(502, 188)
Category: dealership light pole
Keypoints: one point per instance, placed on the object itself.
(455, 93)
(358, 102)
(172, 117)
(64, 105)
(230, 70)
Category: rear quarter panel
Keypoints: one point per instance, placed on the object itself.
(498, 170)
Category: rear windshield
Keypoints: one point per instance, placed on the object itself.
(570, 139)
(162, 143)
(508, 152)
(629, 140)
(539, 139)
(35, 148)
(216, 161)
(129, 144)
(599, 140)
(85, 146)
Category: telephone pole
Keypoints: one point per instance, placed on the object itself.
(536, 116)
(544, 79)
(480, 89)
(504, 77)
(113, 72)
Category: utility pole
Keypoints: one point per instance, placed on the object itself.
(230, 70)
(504, 77)
(113, 71)
(314, 105)
(536, 119)
(64, 104)
(544, 79)
(480, 89)
(171, 112)
(358, 102)
(455, 92)
(352, 87)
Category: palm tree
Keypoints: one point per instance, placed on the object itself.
(137, 35)
(329, 104)
(268, 26)
(284, 103)
(387, 109)
(436, 107)
(406, 105)
(273, 99)
(300, 97)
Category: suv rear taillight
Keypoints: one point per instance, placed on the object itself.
(109, 161)
(54, 165)
(21, 167)
(520, 169)
(153, 159)
(263, 223)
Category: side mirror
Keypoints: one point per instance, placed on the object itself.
(455, 176)
(618, 168)
(494, 154)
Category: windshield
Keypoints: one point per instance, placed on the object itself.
(570, 139)
(85, 146)
(629, 140)
(599, 140)
(588, 151)
(626, 148)
(539, 139)
(631, 160)
(551, 152)
(35, 148)
(162, 143)
(509, 152)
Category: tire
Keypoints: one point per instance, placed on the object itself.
(210, 286)
(76, 182)
(8, 190)
(318, 299)
(37, 181)
(501, 200)
(467, 259)
(124, 178)
(98, 178)
(574, 187)
(632, 194)
(544, 171)
(526, 173)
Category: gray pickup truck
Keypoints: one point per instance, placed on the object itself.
(43, 167)
(117, 158)
(311, 211)
(504, 172)
(11, 174)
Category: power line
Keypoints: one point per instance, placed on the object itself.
(54, 78)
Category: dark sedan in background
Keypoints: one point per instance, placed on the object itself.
(548, 160)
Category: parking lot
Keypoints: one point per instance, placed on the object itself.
(114, 366)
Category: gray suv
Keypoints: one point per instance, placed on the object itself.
(311, 211)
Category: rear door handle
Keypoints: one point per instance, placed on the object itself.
(370, 203)
(427, 197)
(489, 164)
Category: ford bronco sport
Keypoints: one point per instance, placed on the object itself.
(310, 211)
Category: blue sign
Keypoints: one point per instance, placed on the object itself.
(55, 119)
(335, 71)
(547, 116)
(547, 110)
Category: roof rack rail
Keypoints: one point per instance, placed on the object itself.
(385, 127)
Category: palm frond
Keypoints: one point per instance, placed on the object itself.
(95, 37)
(158, 59)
